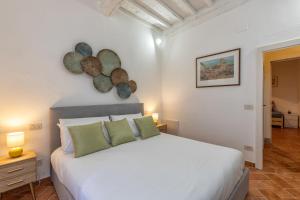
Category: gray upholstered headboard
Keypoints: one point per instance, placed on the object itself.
(57, 113)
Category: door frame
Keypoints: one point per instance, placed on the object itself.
(259, 138)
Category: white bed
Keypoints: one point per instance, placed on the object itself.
(161, 168)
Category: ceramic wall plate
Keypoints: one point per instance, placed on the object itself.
(123, 90)
(132, 86)
(109, 61)
(91, 65)
(118, 76)
(84, 49)
(72, 62)
(102, 83)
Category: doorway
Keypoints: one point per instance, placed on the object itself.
(280, 133)
(267, 55)
(281, 108)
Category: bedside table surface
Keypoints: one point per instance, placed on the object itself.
(6, 160)
(160, 125)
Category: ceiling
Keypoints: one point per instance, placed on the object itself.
(166, 15)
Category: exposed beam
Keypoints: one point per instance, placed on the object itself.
(146, 23)
(218, 8)
(208, 2)
(179, 18)
(150, 13)
(144, 14)
(189, 6)
(108, 7)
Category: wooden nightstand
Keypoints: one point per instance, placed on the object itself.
(291, 121)
(16, 172)
(162, 127)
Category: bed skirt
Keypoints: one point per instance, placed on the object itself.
(239, 192)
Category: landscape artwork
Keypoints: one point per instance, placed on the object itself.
(221, 69)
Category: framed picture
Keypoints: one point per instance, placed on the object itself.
(274, 81)
(220, 69)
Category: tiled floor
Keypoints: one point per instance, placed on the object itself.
(280, 178)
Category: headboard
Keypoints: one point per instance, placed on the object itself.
(57, 113)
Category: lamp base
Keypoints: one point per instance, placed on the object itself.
(15, 152)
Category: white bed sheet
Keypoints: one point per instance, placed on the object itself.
(162, 167)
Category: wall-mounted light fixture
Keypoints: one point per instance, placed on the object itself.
(158, 41)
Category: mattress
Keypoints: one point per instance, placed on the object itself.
(276, 114)
(162, 167)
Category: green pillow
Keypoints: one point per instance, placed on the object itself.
(146, 127)
(119, 132)
(87, 139)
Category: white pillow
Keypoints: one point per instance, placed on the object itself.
(130, 120)
(66, 140)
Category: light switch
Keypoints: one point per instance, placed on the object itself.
(248, 107)
(35, 126)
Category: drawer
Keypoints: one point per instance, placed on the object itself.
(291, 123)
(17, 181)
(291, 117)
(16, 169)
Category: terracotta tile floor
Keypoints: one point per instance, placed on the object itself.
(43, 191)
(280, 178)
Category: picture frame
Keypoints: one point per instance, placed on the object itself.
(274, 81)
(219, 69)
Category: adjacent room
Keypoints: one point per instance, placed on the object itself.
(150, 99)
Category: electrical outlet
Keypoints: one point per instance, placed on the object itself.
(248, 148)
(39, 162)
(35, 126)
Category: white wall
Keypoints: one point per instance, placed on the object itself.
(287, 95)
(217, 114)
(34, 37)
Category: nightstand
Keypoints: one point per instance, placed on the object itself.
(291, 121)
(16, 172)
(162, 127)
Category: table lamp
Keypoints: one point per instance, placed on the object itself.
(155, 117)
(15, 141)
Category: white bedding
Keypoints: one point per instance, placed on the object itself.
(159, 168)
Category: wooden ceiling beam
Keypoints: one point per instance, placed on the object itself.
(144, 14)
(148, 12)
(209, 3)
(174, 13)
(108, 7)
(187, 5)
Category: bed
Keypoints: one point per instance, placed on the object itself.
(277, 119)
(162, 167)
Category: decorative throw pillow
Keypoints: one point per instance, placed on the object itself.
(66, 140)
(119, 132)
(130, 118)
(146, 127)
(87, 139)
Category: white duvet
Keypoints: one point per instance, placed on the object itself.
(163, 167)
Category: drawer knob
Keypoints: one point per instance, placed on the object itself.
(16, 182)
(15, 170)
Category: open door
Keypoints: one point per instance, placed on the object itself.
(267, 101)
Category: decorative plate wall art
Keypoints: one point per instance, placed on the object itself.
(105, 69)
(220, 69)
(109, 61)
(72, 62)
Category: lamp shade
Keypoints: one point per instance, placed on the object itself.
(15, 139)
(155, 117)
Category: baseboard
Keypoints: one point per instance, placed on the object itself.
(267, 140)
(249, 164)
